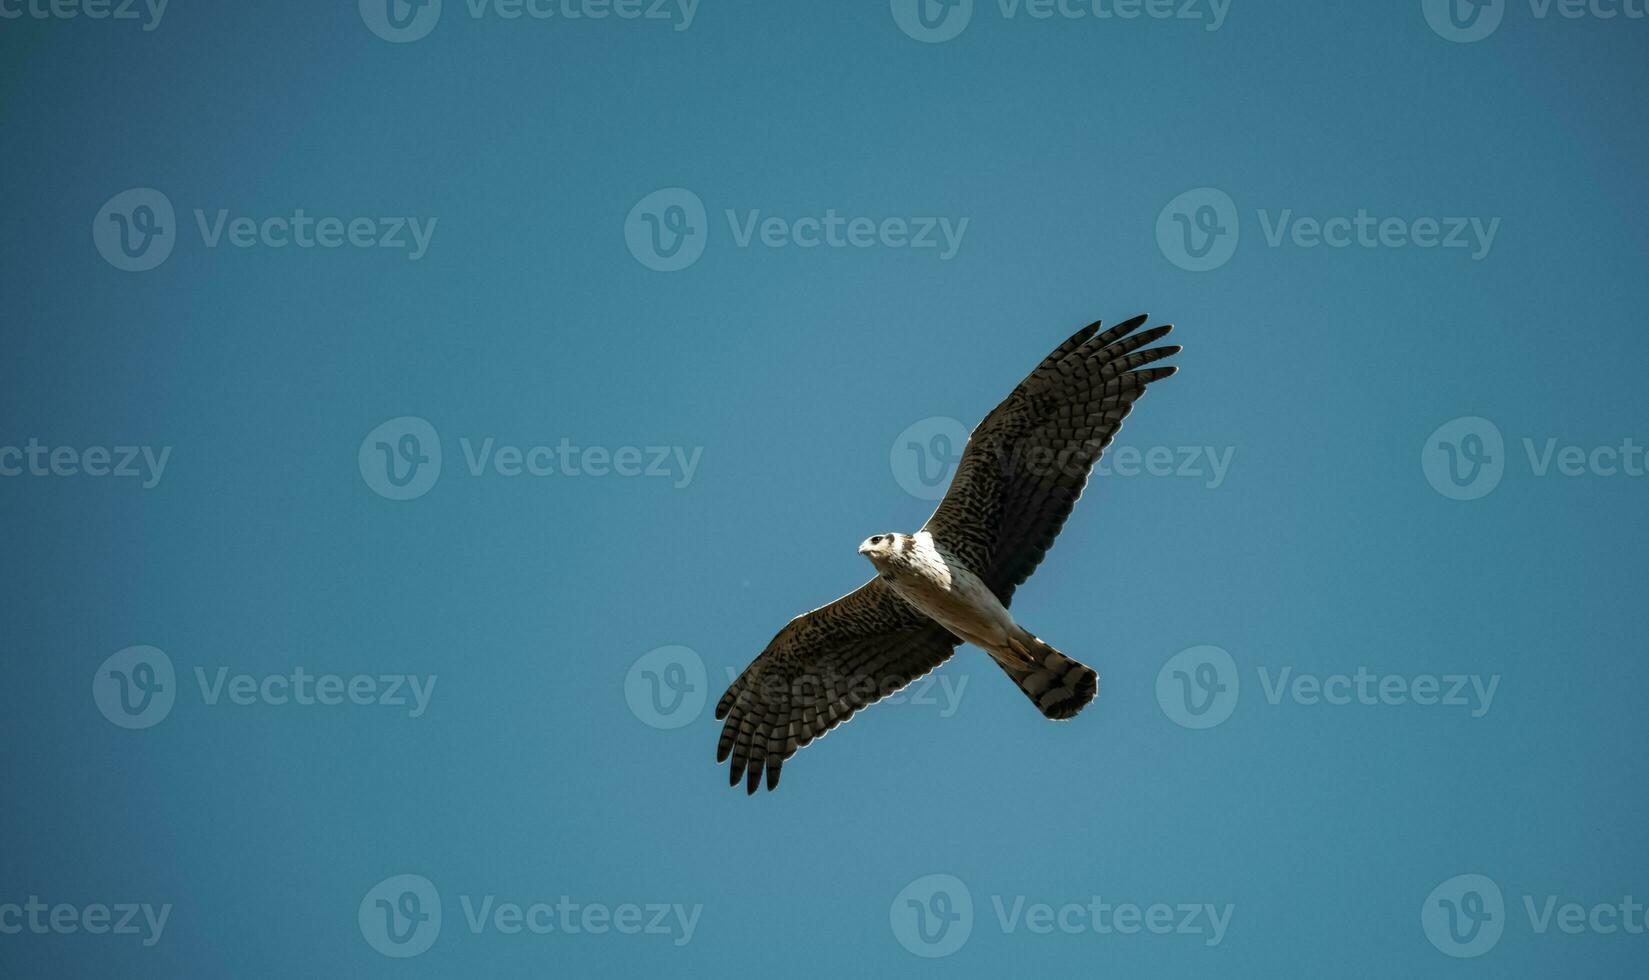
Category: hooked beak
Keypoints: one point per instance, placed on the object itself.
(864, 547)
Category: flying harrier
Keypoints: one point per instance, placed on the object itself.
(1024, 467)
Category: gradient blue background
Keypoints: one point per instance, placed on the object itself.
(530, 778)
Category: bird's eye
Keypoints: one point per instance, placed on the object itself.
(876, 540)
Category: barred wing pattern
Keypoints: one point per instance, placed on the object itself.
(1028, 461)
(820, 669)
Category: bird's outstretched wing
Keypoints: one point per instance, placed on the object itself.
(1028, 461)
(820, 669)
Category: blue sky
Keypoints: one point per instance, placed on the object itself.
(644, 314)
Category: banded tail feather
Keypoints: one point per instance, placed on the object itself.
(1058, 686)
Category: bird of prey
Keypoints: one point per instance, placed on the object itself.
(1024, 467)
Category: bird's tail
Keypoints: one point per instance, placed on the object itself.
(1056, 684)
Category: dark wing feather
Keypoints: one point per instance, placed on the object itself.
(820, 669)
(1028, 461)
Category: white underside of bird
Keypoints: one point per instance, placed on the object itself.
(940, 587)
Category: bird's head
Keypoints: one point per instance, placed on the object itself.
(880, 548)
